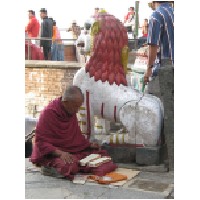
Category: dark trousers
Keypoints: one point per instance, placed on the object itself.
(47, 52)
(163, 87)
(46, 49)
(166, 75)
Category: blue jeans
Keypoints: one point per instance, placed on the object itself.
(54, 51)
(57, 52)
(60, 52)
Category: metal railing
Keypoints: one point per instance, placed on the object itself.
(36, 40)
(133, 44)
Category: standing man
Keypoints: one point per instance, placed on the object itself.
(161, 39)
(75, 29)
(83, 43)
(32, 29)
(46, 31)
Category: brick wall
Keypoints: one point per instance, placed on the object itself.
(44, 82)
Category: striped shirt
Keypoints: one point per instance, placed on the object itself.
(161, 30)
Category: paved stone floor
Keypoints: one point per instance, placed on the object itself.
(146, 185)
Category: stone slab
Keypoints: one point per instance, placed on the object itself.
(38, 186)
(121, 154)
(148, 155)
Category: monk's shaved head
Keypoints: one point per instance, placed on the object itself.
(72, 93)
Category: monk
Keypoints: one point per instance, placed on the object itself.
(59, 143)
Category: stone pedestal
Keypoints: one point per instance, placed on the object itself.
(128, 153)
(120, 153)
(148, 155)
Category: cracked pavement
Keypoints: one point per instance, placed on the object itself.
(146, 185)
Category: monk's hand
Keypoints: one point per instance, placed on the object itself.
(94, 145)
(65, 156)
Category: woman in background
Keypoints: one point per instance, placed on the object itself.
(57, 50)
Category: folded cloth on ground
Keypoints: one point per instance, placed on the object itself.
(111, 177)
(103, 169)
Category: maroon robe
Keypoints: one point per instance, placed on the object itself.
(56, 129)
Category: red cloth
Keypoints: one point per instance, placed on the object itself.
(35, 52)
(33, 27)
(103, 169)
(57, 130)
(69, 170)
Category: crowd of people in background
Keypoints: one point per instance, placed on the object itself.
(48, 48)
(52, 46)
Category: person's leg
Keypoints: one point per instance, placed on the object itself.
(100, 170)
(58, 52)
(53, 166)
(166, 75)
(49, 53)
(61, 52)
(78, 50)
(65, 169)
(45, 51)
(54, 51)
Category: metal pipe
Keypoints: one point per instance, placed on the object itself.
(46, 38)
(28, 49)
